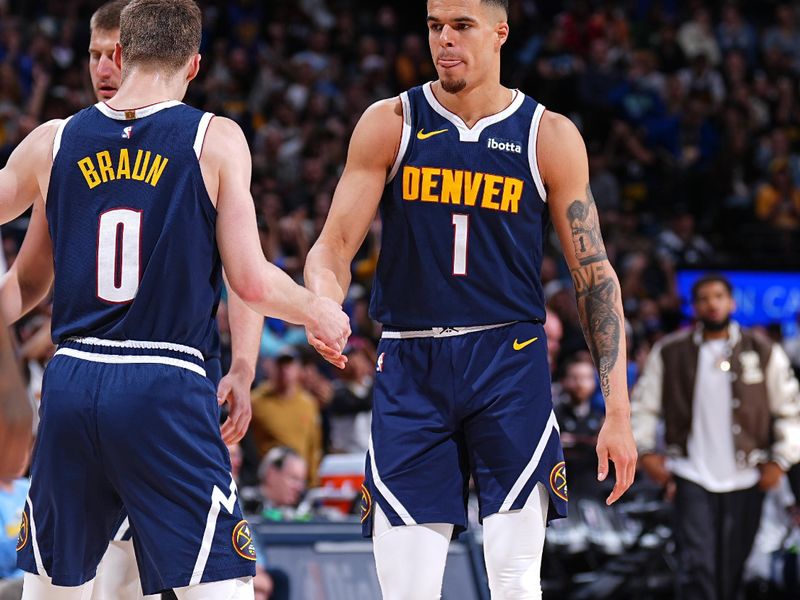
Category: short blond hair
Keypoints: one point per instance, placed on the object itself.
(106, 18)
(160, 33)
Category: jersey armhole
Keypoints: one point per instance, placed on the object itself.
(405, 136)
(59, 135)
(532, 158)
(202, 128)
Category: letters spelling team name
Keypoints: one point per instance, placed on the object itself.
(107, 171)
(448, 186)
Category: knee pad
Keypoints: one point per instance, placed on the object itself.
(513, 543)
(40, 587)
(229, 589)
(410, 558)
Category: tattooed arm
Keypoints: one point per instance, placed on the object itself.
(565, 171)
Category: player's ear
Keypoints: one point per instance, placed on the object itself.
(117, 56)
(501, 33)
(194, 68)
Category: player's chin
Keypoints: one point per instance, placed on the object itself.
(452, 84)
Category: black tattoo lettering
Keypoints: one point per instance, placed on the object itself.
(596, 290)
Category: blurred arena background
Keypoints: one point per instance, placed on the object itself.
(691, 115)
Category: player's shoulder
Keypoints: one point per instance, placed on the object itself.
(560, 148)
(224, 138)
(378, 113)
(558, 132)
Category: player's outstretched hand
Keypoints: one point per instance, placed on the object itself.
(330, 330)
(234, 389)
(615, 442)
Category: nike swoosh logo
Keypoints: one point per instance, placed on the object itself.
(519, 346)
(421, 135)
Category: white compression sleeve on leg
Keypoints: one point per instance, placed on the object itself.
(410, 558)
(40, 587)
(229, 589)
(512, 547)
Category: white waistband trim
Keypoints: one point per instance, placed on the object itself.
(131, 359)
(440, 332)
(140, 345)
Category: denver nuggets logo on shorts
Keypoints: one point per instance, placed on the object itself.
(366, 503)
(558, 480)
(22, 538)
(243, 541)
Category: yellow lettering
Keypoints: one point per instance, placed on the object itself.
(124, 167)
(490, 190)
(429, 183)
(451, 186)
(156, 170)
(104, 166)
(472, 185)
(139, 173)
(410, 183)
(512, 192)
(89, 172)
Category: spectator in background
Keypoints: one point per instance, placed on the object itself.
(286, 414)
(731, 416)
(778, 201)
(580, 423)
(350, 411)
(282, 482)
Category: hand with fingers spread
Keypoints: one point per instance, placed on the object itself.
(615, 443)
(330, 330)
(234, 389)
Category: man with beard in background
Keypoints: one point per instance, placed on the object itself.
(728, 401)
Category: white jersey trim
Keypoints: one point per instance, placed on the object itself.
(532, 158)
(202, 128)
(37, 555)
(396, 505)
(405, 137)
(139, 345)
(129, 359)
(134, 113)
(523, 478)
(472, 134)
(59, 135)
(123, 529)
(440, 332)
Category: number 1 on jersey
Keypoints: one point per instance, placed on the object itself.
(118, 245)
(460, 241)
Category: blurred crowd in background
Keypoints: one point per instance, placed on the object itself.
(690, 111)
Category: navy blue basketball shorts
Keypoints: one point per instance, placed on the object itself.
(133, 426)
(455, 402)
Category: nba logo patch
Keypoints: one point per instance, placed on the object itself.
(558, 480)
(127, 133)
(243, 541)
(379, 366)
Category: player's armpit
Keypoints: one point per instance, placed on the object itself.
(373, 149)
(20, 179)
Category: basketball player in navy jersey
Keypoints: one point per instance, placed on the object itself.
(470, 172)
(142, 198)
(22, 288)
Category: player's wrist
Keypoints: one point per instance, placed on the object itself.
(243, 369)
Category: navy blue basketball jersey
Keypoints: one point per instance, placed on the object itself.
(133, 227)
(463, 219)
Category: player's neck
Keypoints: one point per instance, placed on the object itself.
(144, 88)
(474, 103)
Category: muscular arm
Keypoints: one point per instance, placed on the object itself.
(21, 178)
(574, 214)
(565, 170)
(373, 148)
(264, 287)
(29, 279)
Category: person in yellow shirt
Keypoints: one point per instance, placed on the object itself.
(285, 414)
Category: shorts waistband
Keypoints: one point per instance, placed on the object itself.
(133, 352)
(439, 332)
